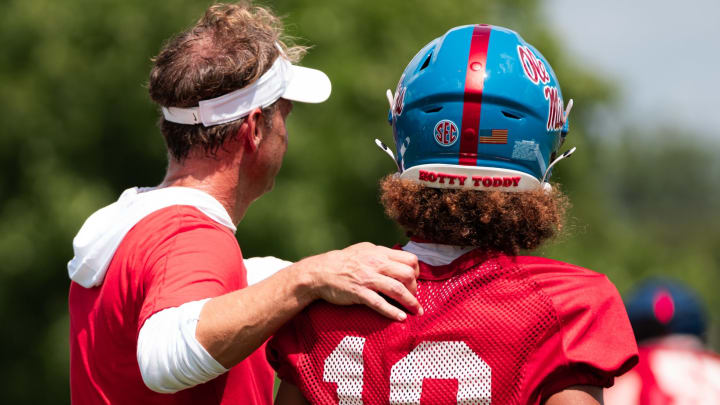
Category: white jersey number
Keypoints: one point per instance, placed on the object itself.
(434, 360)
(344, 366)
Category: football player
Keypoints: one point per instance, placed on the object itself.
(478, 121)
(675, 366)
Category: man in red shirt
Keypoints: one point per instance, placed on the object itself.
(160, 308)
(478, 120)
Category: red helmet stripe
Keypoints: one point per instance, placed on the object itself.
(474, 80)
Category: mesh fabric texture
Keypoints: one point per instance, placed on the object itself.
(491, 333)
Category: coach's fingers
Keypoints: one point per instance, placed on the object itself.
(402, 273)
(360, 246)
(401, 256)
(374, 301)
(398, 292)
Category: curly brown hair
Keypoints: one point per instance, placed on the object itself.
(492, 220)
(231, 46)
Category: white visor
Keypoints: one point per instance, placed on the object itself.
(282, 80)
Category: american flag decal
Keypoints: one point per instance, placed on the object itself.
(496, 136)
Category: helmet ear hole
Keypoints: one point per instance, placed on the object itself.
(512, 115)
(426, 63)
(432, 109)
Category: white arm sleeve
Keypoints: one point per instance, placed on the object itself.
(170, 357)
(260, 268)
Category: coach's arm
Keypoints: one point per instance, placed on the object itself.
(189, 345)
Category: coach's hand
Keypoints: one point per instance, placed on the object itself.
(360, 273)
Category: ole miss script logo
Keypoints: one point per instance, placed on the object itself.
(537, 73)
(446, 133)
(534, 68)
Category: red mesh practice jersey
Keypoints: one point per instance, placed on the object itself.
(500, 330)
(670, 372)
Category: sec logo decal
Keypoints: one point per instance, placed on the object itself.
(446, 133)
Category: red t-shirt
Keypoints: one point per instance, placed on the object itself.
(670, 372)
(506, 330)
(172, 256)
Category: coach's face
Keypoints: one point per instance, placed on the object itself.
(274, 144)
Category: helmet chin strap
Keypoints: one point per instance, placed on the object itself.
(387, 150)
(379, 143)
(545, 185)
(567, 153)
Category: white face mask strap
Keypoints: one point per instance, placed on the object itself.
(568, 108)
(387, 150)
(546, 186)
(559, 158)
(390, 98)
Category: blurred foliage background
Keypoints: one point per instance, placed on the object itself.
(78, 128)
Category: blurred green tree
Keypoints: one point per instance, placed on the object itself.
(78, 128)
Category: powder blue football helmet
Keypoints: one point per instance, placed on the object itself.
(478, 108)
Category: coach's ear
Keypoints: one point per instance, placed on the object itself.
(250, 131)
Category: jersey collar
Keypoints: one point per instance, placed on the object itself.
(464, 262)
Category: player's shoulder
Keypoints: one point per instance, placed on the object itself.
(549, 271)
(568, 284)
